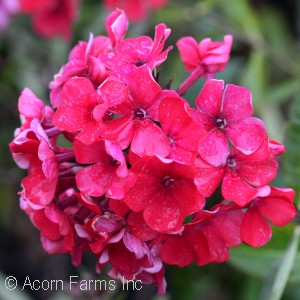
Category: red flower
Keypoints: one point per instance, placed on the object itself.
(134, 123)
(206, 239)
(211, 56)
(165, 192)
(128, 256)
(108, 173)
(136, 10)
(83, 108)
(53, 17)
(83, 62)
(183, 132)
(132, 53)
(227, 115)
(32, 149)
(241, 173)
(274, 204)
(30, 107)
(116, 26)
(56, 231)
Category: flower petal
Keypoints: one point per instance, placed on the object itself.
(149, 139)
(177, 251)
(70, 119)
(188, 49)
(255, 230)
(237, 103)
(246, 135)
(236, 189)
(94, 180)
(144, 89)
(214, 148)
(210, 98)
(79, 91)
(163, 214)
(208, 177)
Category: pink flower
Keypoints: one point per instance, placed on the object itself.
(136, 10)
(32, 149)
(81, 111)
(134, 124)
(84, 108)
(227, 117)
(165, 192)
(56, 231)
(31, 107)
(116, 26)
(274, 204)
(132, 53)
(108, 173)
(118, 245)
(206, 239)
(83, 62)
(7, 9)
(211, 56)
(183, 132)
(52, 18)
(241, 174)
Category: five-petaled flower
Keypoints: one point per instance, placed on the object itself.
(133, 185)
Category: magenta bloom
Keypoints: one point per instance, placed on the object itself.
(165, 192)
(211, 56)
(241, 174)
(33, 150)
(132, 53)
(183, 132)
(52, 17)
(207, 238)
(83, 62)
(136, 10)
(56, 231)
(274, 204)
(136, 116)
(7, 9)
(108, 173)
(84, 108)
(227, 116)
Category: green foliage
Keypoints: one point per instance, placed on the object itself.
(291, 162)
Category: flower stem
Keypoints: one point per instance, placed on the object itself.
(190, 80)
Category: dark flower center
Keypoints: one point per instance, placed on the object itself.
(140, 114)
(231, 163)
(114, 162)
(220, 123)
(108, 116)
(168, 181)
(139, 63)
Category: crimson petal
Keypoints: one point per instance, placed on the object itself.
(255, 230)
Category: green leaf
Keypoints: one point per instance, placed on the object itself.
(282, 92)
(275, 285)
(254, 78)
(242, 14)
(279, 37)
(291, 158)
(257, 262)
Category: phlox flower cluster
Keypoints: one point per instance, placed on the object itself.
(127, 170)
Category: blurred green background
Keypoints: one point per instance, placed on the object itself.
(265, 58)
